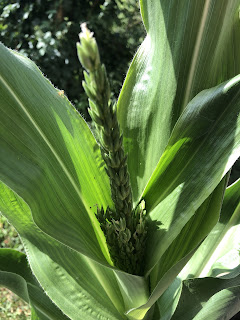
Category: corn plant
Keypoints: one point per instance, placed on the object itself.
(136, 220)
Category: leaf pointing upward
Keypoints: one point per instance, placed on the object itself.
(50, 158)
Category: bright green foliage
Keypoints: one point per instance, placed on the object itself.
(179, 115)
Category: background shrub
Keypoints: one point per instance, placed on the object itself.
(47, 31)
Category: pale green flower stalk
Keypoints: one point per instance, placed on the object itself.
(125, 228)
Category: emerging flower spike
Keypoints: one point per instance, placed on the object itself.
(125, 229)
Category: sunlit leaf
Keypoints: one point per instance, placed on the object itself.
(218, 255)
(203, 146)
(50, 158)
(190, 46)
(79, 286)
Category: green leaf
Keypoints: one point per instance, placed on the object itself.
(16, 275)
(36, 315)
(218, 255)
(163, 278)
(203, 146)
(79, 286)
(197, 228)
(208, 298)
(162, 286)
(50, 158)
(167, 303)
(224, 304)
(190, 46)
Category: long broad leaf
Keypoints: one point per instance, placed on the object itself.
(163, 278)
(16, 275)
(50, 158)
(204, 145)
(79, 286)
(197, 228)
(190, 46)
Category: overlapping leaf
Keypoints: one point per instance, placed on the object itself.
(166, 305)
(160, 289)
(50, 158)
(204, 145)
(209, 298)
(197, 228)
(79, 286)
(163, 278)
(190, 46)
(218, 255)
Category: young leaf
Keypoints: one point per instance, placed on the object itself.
(166, 305)
(197, 228)
(162, 286)
(164, 277)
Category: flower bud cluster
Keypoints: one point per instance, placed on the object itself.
(125, 228)
(126, 246)
(87, 51)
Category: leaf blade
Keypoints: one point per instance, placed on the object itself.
(218, 254)
(48, 152)
(79, 286)
(201, 150)
(190, 45)
(208, 297)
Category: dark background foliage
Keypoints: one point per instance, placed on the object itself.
(47, 31)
